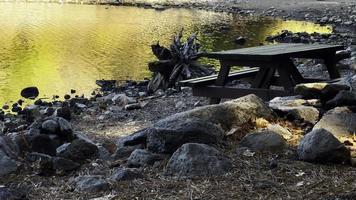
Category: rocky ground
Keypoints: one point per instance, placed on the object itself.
(122, 143)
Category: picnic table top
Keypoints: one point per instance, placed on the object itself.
(269, 52)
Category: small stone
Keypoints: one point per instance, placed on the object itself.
(66, 96)
(72, 91)
(50, 126)
(30, 92)
(91, 184)
(62, 164)
(125, 175)
(79, 151)
(133, 106)
(240, 40)
(7, 165)
(276, 128)
(5, 107)
(194, 159)
(265, 141)
(141, 157)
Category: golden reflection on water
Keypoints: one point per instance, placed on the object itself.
(58, 47)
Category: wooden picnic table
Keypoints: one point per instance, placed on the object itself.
(272, 66)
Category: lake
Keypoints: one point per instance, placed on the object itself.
(58, 47)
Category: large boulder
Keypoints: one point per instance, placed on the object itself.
(167, 138)
(142, 157)
(321, 146)
(79, 151)
(340, 121)
(264, 141)
(228, 114)
(8, 147)
(194, 159)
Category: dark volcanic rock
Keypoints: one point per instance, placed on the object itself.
(91, 184)
(266, 141)
(125, 174)
(322, 147)
(194, 159)
(79, 151)
(167, 138)
(125, 152)
(43, 144)
(7, 165)
(12, 194)
(30, 92)
(63, 112)
(138, 137)
(343, 98)
(142, 157)
(62, 164)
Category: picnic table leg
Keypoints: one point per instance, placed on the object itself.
(264, 77)
(330, 63)
(297, 77)
(221, 79)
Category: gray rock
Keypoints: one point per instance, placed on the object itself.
(142, 157)
(8, 147)
(63, 112)
(62, 164)
(7, 165)
(126, 174)
(339, 121)
(65, 129)
(79, 151)
(228, 114)
(125, 152)
(167, 138)
(276, 128)
(296, 108)
(194, 159)
(122, 100)
(138, 137)
(62, 148)
(310, 90)
(11, 194)
(324, 91)
(321, 146)
(91, 184)
(50, 126)
(305, 113)
(343, 98)
(265, 141)
(43, 144)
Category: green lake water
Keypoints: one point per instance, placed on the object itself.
(57, 47)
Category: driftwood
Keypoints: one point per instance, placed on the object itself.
(177, 63)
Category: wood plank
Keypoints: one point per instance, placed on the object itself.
(231, 75)
(271, 52)
(230, 92)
